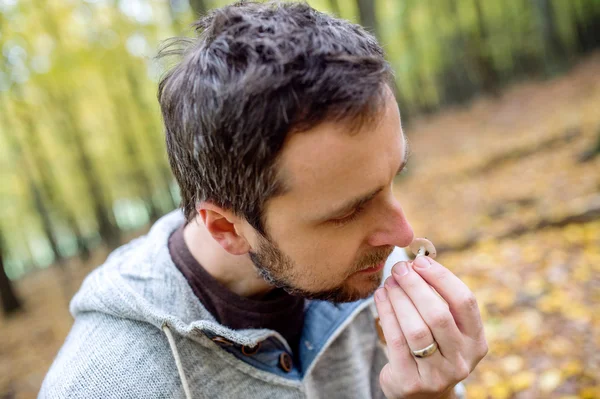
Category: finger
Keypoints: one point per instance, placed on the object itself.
(431, 308)
(417, 333)
(460, 299)
(398, 351)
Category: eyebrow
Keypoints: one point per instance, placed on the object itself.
(363, 199)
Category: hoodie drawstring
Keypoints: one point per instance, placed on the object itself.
(184, 382)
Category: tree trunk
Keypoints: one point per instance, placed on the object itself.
(483, 61)
(40, 205)
(586, 22)
(106, 227)
(553, 49)
(456, 84)
(69, 126)
(83, 249)
(592, 152)
(199, 7)
(71, 131)
(368, 19)
(49, 183)
(10, 302)
(367, 15)
(335, 7)
(419, 102)
(510, 29)
(175, 17)
(137, 173)
(156, 131)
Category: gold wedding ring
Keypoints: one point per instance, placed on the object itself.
(430, 350)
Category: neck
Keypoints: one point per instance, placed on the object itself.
(235, 272)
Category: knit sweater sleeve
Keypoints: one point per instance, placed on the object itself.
(109, 357)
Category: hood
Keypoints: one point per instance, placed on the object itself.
(139, 281)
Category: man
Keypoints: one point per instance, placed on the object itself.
(285, 139)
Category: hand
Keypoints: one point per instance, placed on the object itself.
(412, 316)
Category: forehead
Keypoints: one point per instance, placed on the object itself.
(327, 165)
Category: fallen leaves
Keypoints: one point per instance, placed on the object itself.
(519, 218)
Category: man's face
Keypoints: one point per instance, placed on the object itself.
(339, 216)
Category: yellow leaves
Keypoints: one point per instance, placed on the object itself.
(550, 380)
(477, 391)
(530, 319)
(532, 253)
(470, 281)
(504, 298)
(512, 364)
(523, 380)
(490, 378)
(582, 272)
(592, 233)
(559, 346)
(591, 256)
(493, 384)
(574, 234)
(512, 375)
(537, 283)
(525, 335)
(589, 393)
(557, 301)
(578, 312)
(500, 391)
(552, 302)
(571, 368)
(534, 286)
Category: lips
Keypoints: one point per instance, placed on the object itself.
(373, 269)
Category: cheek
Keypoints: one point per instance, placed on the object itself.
(319, 253)
(325, 256)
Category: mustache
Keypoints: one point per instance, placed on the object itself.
(374, 258)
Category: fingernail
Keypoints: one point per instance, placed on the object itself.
(391, 282)
(381, 294)
(400, 269)
(422, 262)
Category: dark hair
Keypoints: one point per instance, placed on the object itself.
(256, 73)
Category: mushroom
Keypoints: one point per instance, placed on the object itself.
(423, 247)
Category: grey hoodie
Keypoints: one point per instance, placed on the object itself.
(140, 332)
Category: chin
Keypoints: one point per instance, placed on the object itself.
(363, 286)
(353, 289)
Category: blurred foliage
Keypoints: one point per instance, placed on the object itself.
(81, 146)
(507, 187)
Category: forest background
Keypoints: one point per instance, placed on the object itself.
(500, 99)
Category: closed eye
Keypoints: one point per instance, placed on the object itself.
(349, 218)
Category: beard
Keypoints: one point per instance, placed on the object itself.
(279, 270)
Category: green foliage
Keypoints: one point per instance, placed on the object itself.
(81, 146)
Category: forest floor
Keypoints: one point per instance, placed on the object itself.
(499, 187)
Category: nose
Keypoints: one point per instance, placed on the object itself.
(393, 228)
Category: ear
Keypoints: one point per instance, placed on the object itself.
(221, 225)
